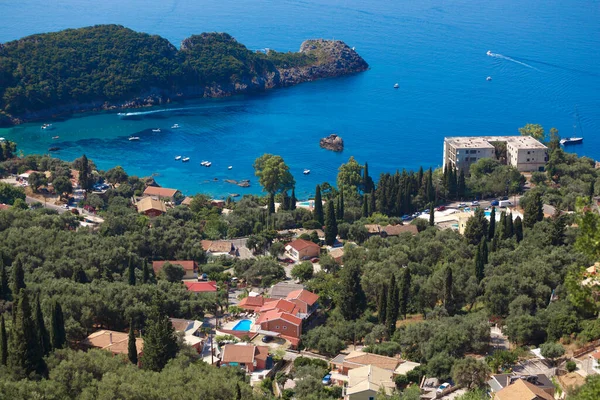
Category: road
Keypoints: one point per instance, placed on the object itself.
(33, 200)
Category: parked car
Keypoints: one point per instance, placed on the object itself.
(443, 387)
(494, 203)
(474, 203)
(267, 339)
(327, 379)
(405, 217)
(504, 198)
(314, 260)
(440, 208)
(462, 205)
(505, 203)
(203, 277)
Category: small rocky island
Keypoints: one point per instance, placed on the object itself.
(108, 67)
(332, 142)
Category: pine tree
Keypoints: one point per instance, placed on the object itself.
(484, 251)
(392, 306)
(382, 305)
(84, 174)
(58, 337)
(461, 185)
(480, 261)
(367, 182)
(373, 202)
(318, 211)
(518, 229)
(4, 288)
(293, 199)
(43, 334)
(509, 229)
(429, 189)
(131, 272)
(131, 346)
(404, 292)
(448, 291)
(533, 211)
(271, 207)
(351, 297)
(26, 354)
(145, 273)
(331, 229)
(3, 342)
(18, 277)
(365, 206)
(160, 342)
(492, 227)
(431, 215)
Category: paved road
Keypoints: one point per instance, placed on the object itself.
(32, 200)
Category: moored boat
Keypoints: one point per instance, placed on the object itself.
(571, 140)
(157, 130)
(177, 158)
(175, 126)
(185, 159)
(132, 138)
(306, 171)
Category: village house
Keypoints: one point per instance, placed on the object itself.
(365, 383)
(246, 356)
(150, 207)
(161, 193)
(390, 230)
(500, 382)
(287, 325)
(305, 301)
(191, 332)
(343, 363)
(218, 248)
(113, 341)
(337, 253)
(282, 289)
(300, 249)
(190, 267)
(201, 287)
(523, 390)
(254, 303)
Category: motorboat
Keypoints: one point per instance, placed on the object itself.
(489, 53)
(47, 127)
(306, 171)
(396, 86)
(132, 138)
(208, 164)
(489, 78)
(157, 130)
(230, 167)
(185, 159)
(571, 140)
(203, 163)
(177, 158)
(55, 137)
(175, 126)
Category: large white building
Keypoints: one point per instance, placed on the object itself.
(524, 153)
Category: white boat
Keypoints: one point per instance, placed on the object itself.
(175, 126)
(157, 130)
(132, 138)
(396, 86)
(489, 78)
(177, 158)
(230, 167)
(208, 164)
(489, 53)
(203, 163)
(185, 159)
(55, 137)
(47, 127)
(571, 140)
(306, 171)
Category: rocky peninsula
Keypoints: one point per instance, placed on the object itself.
(108, 67)
(332, 142)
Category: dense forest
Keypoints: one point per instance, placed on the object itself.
(110, 63)
(430, 298)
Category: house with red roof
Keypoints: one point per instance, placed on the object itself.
(305, 301)
(160, 193)
(201, 287)
(247, 356)
(280, 305)
(301, 249)
(287, 325)
(189, 266)
(254, 303)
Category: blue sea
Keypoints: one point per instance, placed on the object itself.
(545, 66)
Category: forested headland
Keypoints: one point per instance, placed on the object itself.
(110, 66)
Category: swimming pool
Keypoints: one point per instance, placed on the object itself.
(243, 325)
(306, 203)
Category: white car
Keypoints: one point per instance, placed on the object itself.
(474, 203)
(443, 387)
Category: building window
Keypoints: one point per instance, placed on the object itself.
(276, 326)
(285, 327)
(529, 152)
(528, 160)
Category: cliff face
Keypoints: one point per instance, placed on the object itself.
(111, 67)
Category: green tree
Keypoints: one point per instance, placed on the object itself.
(293, 199)
(131, 345)
(303, 271)
(477, 227)
(518, 226)
(589, 391)
(365, 206)
(26, 356)
(405, 282)
(9, 193)
(534, 130)
(273, 174)
(557, 229)
(351, 298)
(533, 210)
(160, 342)
(145, 273)
(382, 304)
(271, 204)
(18, 277)
(3, 342)
(36, 179)
(392, 306)
(172, 273)
(4, 288)
(131, 272)
(331, 230)
(349, 176)
(62, 185)
(318, 211)
(367, 182)
(461, 186)
(492, 226)
(85, 173)
(44, 336)
(431, 215)
(448, 291)
(58, 337)
(479, 264)
(509, 228)
(373, 202)
(470, 373)
(552, 350)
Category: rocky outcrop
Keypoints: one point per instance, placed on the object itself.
(332, 142)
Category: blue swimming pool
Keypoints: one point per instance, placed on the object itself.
(243, 325)
(306, 203)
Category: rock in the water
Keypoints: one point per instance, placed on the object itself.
(332, 142)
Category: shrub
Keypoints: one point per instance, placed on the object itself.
(571, 366)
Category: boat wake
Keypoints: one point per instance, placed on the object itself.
(139, 113)
(496, 55)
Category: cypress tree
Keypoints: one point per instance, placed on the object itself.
(351, 298)
(533, 211)
(271, 206)
(448, 291)
(318, 211)
(238, 391)
(131, 272)
(365, 206)
(429, 189)
(392, 306)
(492, 226)
(509, 227)
(480, 260)
(4, 289)
(382, 305)
(18, 277)
(3, 342)
(404, 292)
(431, 215)
(26, 354)
(285, 202)
(420, 177)
(367, 183)
(79, 275)
(131, 347)
(145, 273)
(331, 229)
(84, 174)
(484, 251)
(461, 185)
(502, 226)
(341, 206)
(293, 199)
(160, 342)
(372, 205)
(58, 338)
(43, 334)
(518, 229)
(557, 229)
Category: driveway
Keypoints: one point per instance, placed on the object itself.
(498, 341)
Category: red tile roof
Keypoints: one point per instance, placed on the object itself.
(239, 334)
(187, 265)
(304, 295)
(200, 287)
(274, 315)
(159, 191)
(300, 244)
(254, 303)
(281, 305)
(239, 353)
(4, 206)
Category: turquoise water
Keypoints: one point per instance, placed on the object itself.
(545, 64)
(243, 325)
